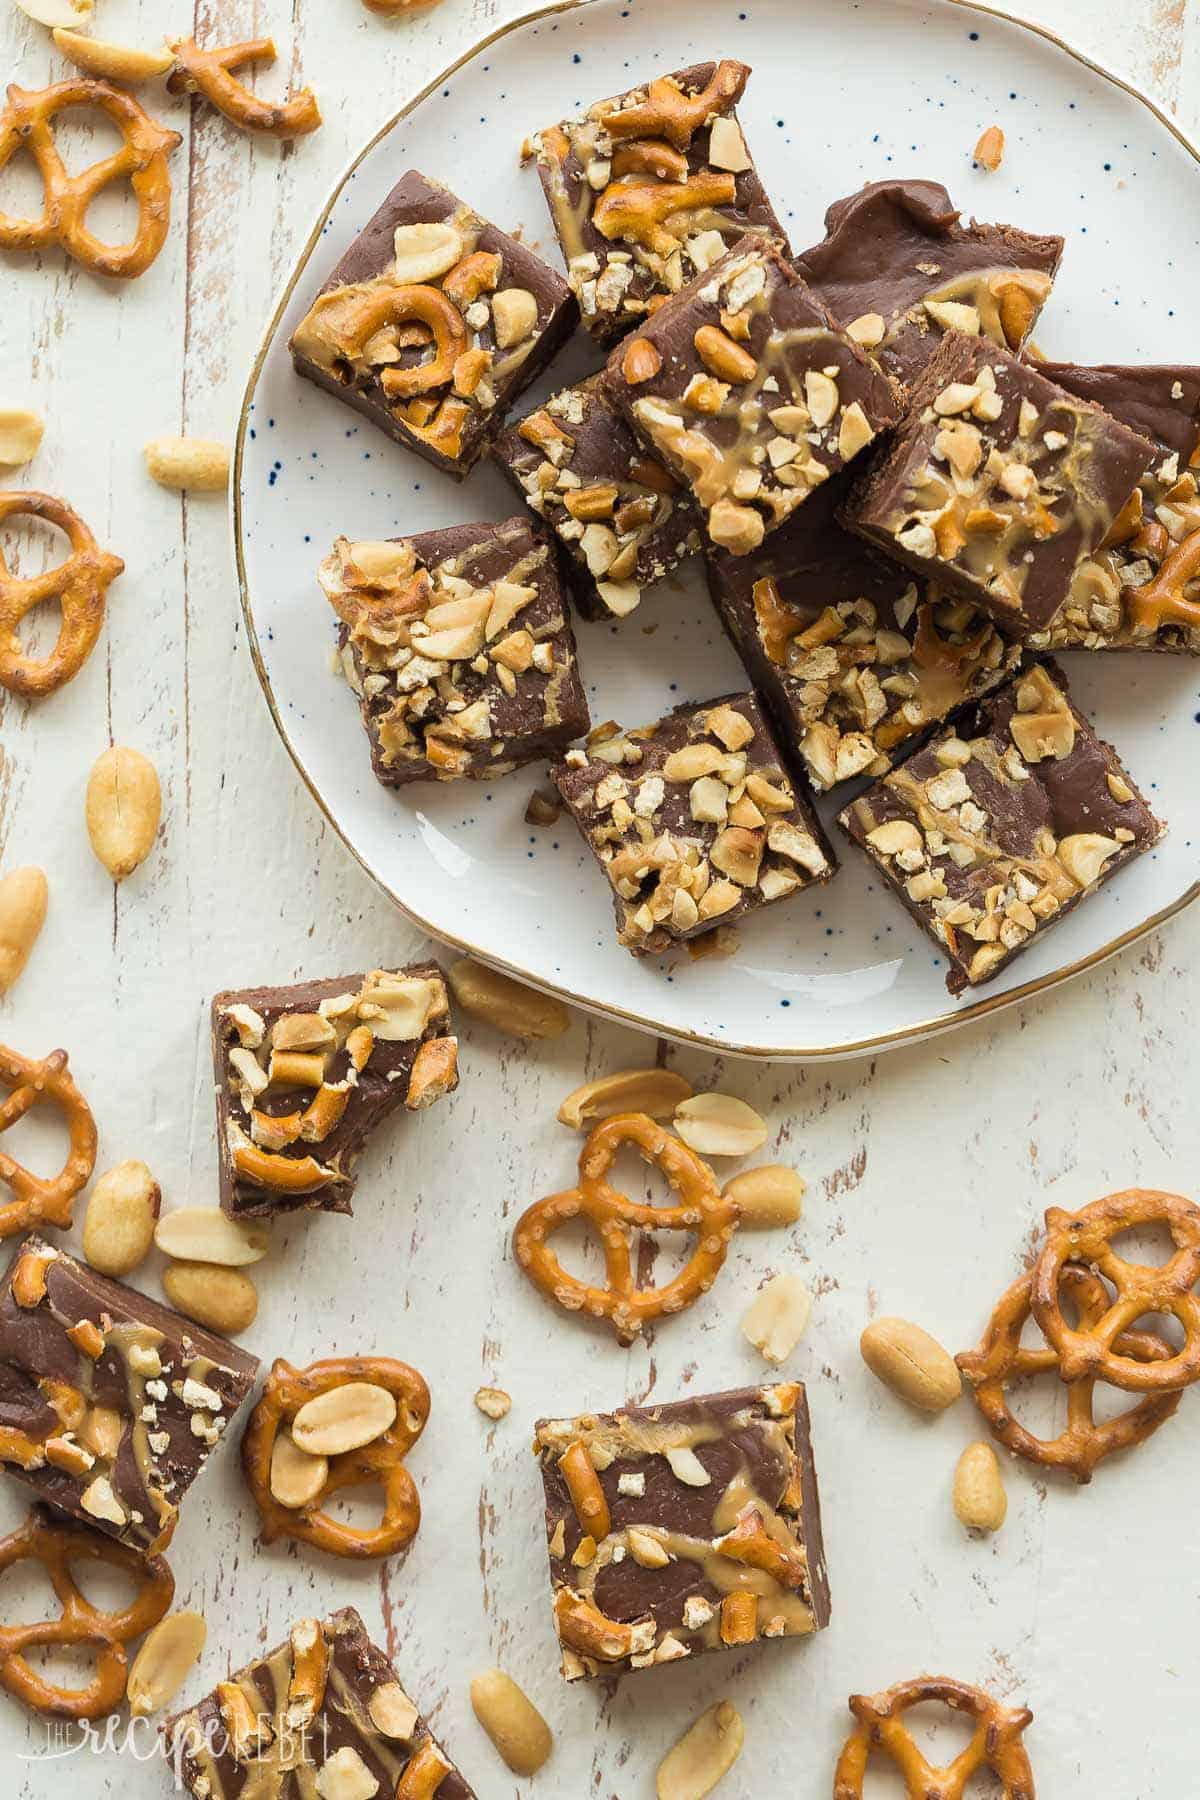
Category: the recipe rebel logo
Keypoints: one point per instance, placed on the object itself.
(143, 1741)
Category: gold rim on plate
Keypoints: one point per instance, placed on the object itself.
(890, 1040)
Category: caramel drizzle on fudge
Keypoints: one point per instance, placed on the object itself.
(437, 329)
(751, 1567)
(324, 1053)
(429, 639)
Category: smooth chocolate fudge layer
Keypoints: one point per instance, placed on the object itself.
(854, 658)
(1002, 825)
(897, 267)
(304, 1075)
(1117, 601)
(432, 323)
(999, 483)
(694, 820)
(624, 520)
(458, 645)
(649, 188)
(749, 392)
(324, 1715)
(110, 1403)
(682, 1528)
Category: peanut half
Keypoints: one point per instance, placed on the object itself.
(512, 1721)
(768, 1196)
(203, 1234)
(112, 62)
(911, 1363)
(719, 1125)
(989, 151)
(122, 809)
(23, 899)
(656, 1092)
(980, 1502)
(165, 1660)
(118, 1226)
(226, 1300)
(776, 1319)
(188, 464)
(707, 1751)
(296, 1477)
(344, 1418)
(57, 12)
(507, 1004)
(493, 1402)
(20, 436)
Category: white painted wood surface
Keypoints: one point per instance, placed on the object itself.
(927, 1170)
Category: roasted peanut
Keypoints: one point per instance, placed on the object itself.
(493, 1402)
(707, 1751)
(768, 1196)
(512, 1721)
(640, 361)
(911, 1363)
(226, 1300)
(507, 1004)
(989, 151)
(122, 809)
(656, 1092)
(980, 1502)
(344, 1418)
(165, 1660)
(112, 62)
(58, 12)
(188, 464)
(118, 1226)
(775, 1321)
(203, 1234)
(20, 435)
(24, 895)
(296, 1477)
(719, 1125)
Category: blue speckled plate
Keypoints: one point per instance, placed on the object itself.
(839, 96)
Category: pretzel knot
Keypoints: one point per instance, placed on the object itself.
(995, 1743)
(1162, 600)
(702, 1210)
(26, 123)
(42, 1538)
(78, 585)
(377, 1463)
(1002, 1360)
(669, 112)
(1091, 1348)
(210, 72)
(638, 211)
(38, 1201)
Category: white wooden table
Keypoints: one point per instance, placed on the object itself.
(928, 1170)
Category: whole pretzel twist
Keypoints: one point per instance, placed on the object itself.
(1162, 600)
(26, 123)
(670, 113)
(377, 1463)
(995, 1743)
(1002, 1360)
(1091, 1349)
(38, 1200)
(703, 1210)
(210, 72)
(78, 585)
(42, 1538)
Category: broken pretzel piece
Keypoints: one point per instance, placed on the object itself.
(211, 73)
(995, 1743)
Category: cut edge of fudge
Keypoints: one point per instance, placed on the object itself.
(888, 824)
(490, 336)
(305, 1074)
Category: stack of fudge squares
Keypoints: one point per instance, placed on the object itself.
(904, 511)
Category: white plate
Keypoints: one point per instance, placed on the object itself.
(840, 95)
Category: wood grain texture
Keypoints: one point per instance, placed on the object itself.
(918, 1165)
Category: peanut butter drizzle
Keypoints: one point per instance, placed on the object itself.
(983, 289)
(124, 1339)
(1043, 868)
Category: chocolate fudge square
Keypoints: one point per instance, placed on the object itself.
(681, 1528)
(458, 646)
(1003, 824)
(897, 266)
(1141, 589)
(648, 189)
(622, 518)
(853, 656)
(110, 1403)
(694, 821)
(321, 1717)
(306, 1074)
(746, 389)
(432, 323)
(999, 483)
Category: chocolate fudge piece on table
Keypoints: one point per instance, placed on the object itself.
(322, 1714)
(622, 518)
(854, 658)
(110, 1403)
(432, 323)
(1002, 825)
(1117, 601)
(897, 267)
(458, 645)
(681, 1528)
(649, 188)
(694, 820)
(305, 1074)
(999, 483)
(749, 392)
